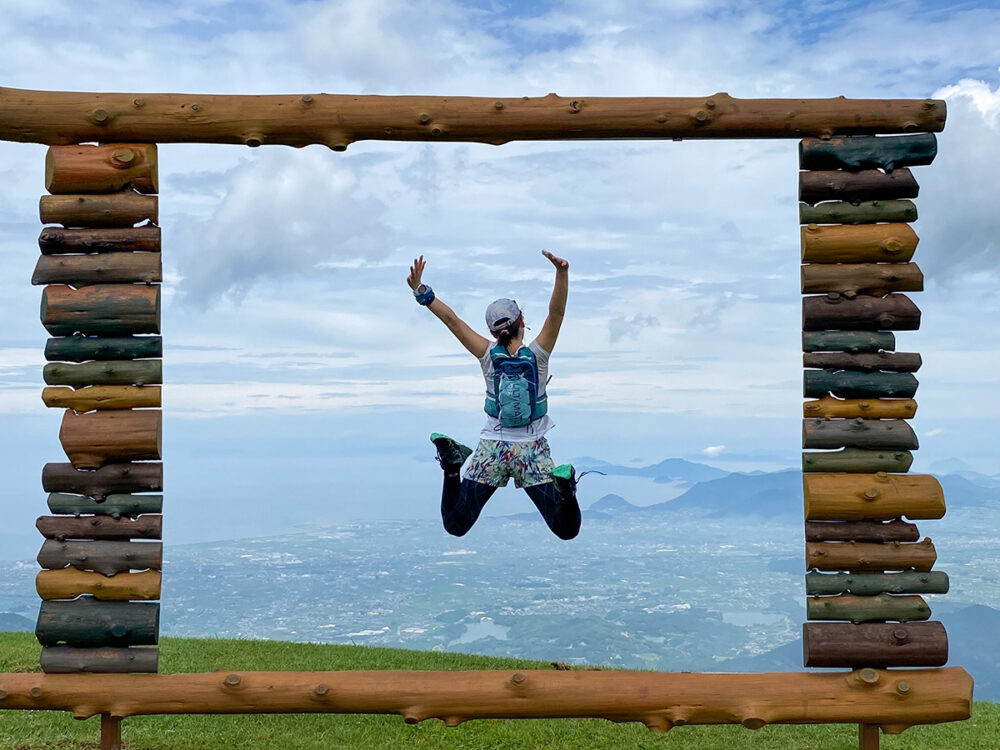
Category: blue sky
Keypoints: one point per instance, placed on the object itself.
(302, 380)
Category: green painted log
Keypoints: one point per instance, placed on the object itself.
(54, 241)
(84, 348)
(101, 310)
(67, 660)
(878, 434)
(102, 268)
(870, 584)
(115, 506)
(895, 312)
(878, 608)
(866, 362)
(113, 479)
(896, 530)
(879, 645)
(100, 527)
(109, 372)
(867, 212)
(870, 185)
(87, 623)
(851, 384)
(867, 152)
(107, 558)
(848, 341)
(858, 460)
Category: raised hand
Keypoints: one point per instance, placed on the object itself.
(416, 271)
(561, 264)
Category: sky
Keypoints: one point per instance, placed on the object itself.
(301, 379)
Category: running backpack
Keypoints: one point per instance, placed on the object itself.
(515, 400)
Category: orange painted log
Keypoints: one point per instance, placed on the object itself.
(99, 397)
(879, 497)
(861, 243)
(101, 310)
(658, 699)
(95, 439)
(861, 278)
(108, 168)
(123, 209)
(868, 556)
(69, 583)
(865, 408)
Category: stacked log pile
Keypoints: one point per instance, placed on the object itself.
(867, 566)
(100, 264)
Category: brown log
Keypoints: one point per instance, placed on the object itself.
(118, 478)
(98, 438)
(100, 527)
(876, 279)
(337, 120)
(658, 699)
(869, 408)
(101, 310)
(861, 531)
(107, 558)
(880, 497)
(877, 434)
(864, 556)
(67, 660)
(867, 362)
(104, 268)
(98, 397)
(870, 185)
(82, 168)
(864, 243)
(144, 239)
(916, 644)
(123, 209)
(69, 583)
(895, 312)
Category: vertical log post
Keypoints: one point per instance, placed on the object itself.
(868, 737)
(111, 732)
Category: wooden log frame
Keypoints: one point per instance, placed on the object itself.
(108, 168)
(861, 212)
(854, 342)
(893, 700)
(833, 311)
(878, 434)
(69, 583)
(108, 372)
(858, 609)
(864, 243)
(869, 185)
(99, 397)
(101, 310)
(860, 460)
(100, 527)
(58, 117)
(116, 478)
(866, 362)
(867, 152)
(55, 241)
(115, 506)
(876, 279)
(87, 622)
(80, 348)
(97, 438)
(100, 268)
(895, 530)
(874, 408)
(858, 384)
(125, 208)
(106, 558)
(862, 557)
(915, 644)
(870, 584)
(879, 497)
(67, 660)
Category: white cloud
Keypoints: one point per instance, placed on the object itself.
(713, 450)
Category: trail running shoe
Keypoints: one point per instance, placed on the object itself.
(451, 454)
(564, 478)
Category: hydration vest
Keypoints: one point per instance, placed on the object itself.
(515, 400)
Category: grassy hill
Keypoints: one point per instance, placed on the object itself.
(33, 730)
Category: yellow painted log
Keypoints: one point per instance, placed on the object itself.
(69, 583)
(862, 243)
(866, 408)
(880, 496)
(97, 397)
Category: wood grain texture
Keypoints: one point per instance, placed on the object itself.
(880, 497)
(100, 397)
(871, 434)
(87, 622)
(860, 460)
(861, 531)
(859, 385)
(109, 372)
(123, 209)
(55, 241)
(870, 185)
(101, 310)
(870, 584)
(107, 558)
(893, 312)
(99, 268)
(97, 438)
(660, 700)
(848, 341)
(866, 362)
(877, 608)
(876, 279)
(867, 408)
(117, 478)
(864, 243)
(102, 527)
(112, 505)
(862, 212)
(108, 168)
(338, 120)
(67, 660)
(843, 645)
(863, 557)
(69, 583)
(85, 348)
(867, 152)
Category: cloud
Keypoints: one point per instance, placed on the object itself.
(713, 450)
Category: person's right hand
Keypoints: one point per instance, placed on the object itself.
(416, 271)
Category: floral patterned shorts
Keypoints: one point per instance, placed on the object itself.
(496, 461)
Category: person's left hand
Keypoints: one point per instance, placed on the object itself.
(561, 264)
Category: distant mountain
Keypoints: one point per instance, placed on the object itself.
(777, 495)
(613, 504)
(668, 470)
(11, 622)
(959, 492)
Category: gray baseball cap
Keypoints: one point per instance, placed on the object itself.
(501, 313)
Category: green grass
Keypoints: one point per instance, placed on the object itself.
(33, 730)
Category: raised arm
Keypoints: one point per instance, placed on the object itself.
(472, 341)
(557, 304)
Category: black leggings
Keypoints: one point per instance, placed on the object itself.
(462, 500)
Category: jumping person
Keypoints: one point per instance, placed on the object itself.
(512, 444)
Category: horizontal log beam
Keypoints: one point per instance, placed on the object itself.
(848, 341)
(84, 348)
(862, 212)
(867, 152)
(107, 558)
(113, 505)
(873, 434)
(101, 310)
(122, 209)
(337, 120)
(89, 623)
(878, 608)
(867, 362)
(100, 527)
(113, 479)
(864, 243)
(861, 460)
(107, 168)
(916, 644)
(55, 241)
(879, 497)
(99, 397)
(852, 408)
(862, 557)
(875, 279)
(869, 584)
(862, 385)
(893, 312)
(660, 700)
(102, 268)
(97, 438)
(109, 372)
(861, 531)
(870, 185)
(69, 583)
(66, 660)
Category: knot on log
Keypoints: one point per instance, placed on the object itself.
(868, 676)
(232, 680)
(753, 722)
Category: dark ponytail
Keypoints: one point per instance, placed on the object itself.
(505, 334)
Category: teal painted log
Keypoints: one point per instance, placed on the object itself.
(117, 478)
(867, 152)
(101, 310)
(858, 460)
(895, 312)
(85, 348)
(87, 622)
(870, 584)
(110, 372)
(115, 506)
(106, 558)
(878, 608)
(867, 212)
(870, 185)
(851, 384)
(848, 341)
(866, 362)
(895, 530)
(67, 660)
(878, 434)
